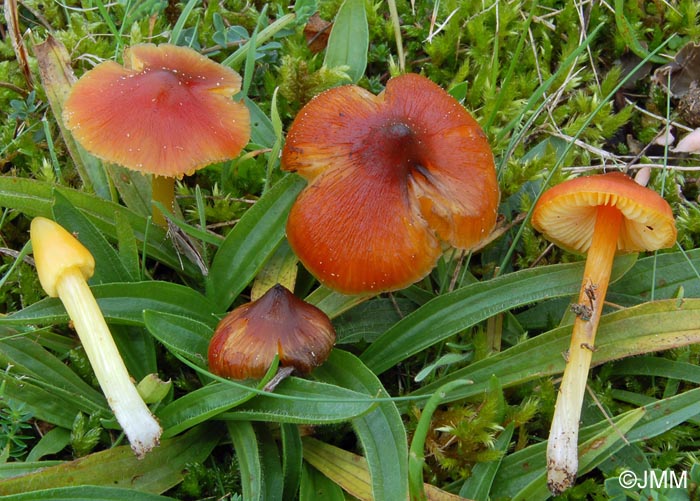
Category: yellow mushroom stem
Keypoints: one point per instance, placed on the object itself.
(163, 191)
(562, 448)
(64, 265)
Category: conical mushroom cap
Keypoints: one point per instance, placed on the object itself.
(56, 251)
(247, 339)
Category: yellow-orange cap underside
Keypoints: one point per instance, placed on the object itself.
(566, 213)
(167, 111)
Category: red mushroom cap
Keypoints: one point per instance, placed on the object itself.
(167, 111)
(566, 213)
(390, 176)
(247, 339)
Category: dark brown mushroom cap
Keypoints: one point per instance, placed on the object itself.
(247, 339)
(566, 213)
(390, 176)
(167, 111)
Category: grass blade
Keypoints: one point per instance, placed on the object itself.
(161, 469)
(246, 248)
(349, 40)
(450, 313)
(381, 431)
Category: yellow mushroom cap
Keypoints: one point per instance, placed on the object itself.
(566, 213)
(57, 251)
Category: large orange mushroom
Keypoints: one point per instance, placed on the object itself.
(601, 215)
(168, 111)
(390, 178)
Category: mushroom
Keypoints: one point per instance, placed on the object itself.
(168, 112)
(390, 177)
(247, 340)
(64, 265)
(601, 215)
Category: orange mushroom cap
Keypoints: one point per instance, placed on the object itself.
(390, 176)
(566, 213)
(167, 111)
(247, 339)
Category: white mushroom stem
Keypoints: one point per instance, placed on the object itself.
(64, 265)
(562, 448)
(139, 425)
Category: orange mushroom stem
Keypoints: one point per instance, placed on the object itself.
(562, 448)
(600, 215)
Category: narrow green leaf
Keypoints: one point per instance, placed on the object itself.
(341, 466)
(271, 462)
(416, 457)
(523, 467)
(17, 468)
(246, 444)
(658, 367)
(183, 335)
(127, 246)
(134, 188)
(86, 493)
(109, 267)
(124, 303)
(627, 33)
(28, 358)
(315, 486)
(176, 32)
(640, 400)
(256, 236)
(200, 405)
(671, 271)
(451, 313)
(591, 453)
(161, 469)
(235, 59)
(273, 158)
(349, 40)
(665, 414)
(381, 431)
(638, 330)
(291, 458)
(333, 303)
(312, 402)
(36, 198)
(250, 56)
(53, 442)
(47, 402)
(262, 130)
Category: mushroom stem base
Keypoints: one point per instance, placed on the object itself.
(562, 447)
(139, 425)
